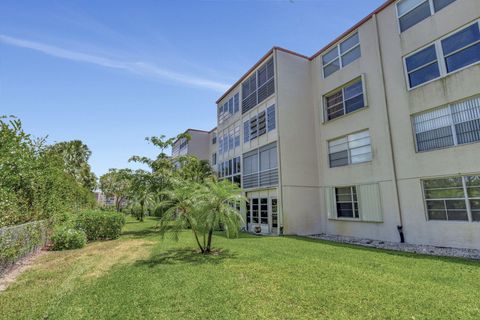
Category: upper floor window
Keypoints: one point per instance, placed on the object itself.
(214, 138)
(451, 53)
(260, 167)
(341, 55)
(259, 124)
(214, 158)
(448, 126)
(347, 99)
(351, 149)
(259, 86)
(229, 108)
(230, 139)
(411, 12)
(453, 198)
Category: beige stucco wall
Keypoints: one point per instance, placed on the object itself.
(298, 157)
(412, 166)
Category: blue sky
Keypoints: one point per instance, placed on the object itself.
(111, 73)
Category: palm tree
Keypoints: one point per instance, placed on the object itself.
(222, 200)
(182, 211)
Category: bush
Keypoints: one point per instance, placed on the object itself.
(65, 238)
(100, 225)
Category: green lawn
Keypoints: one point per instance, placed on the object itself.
(140, 276)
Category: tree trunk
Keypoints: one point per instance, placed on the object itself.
(142, 204)
(196, 237)
(209, 243)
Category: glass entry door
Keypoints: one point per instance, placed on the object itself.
(262, 215)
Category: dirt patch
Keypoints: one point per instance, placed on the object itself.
(20, 266)
(123, 252)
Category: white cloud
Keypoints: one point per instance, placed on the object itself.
(141, 68)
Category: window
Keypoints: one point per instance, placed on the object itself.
(454, 52)
(231, 138)
(259, 124)
(237, 135)
(411, 12)
(453, 198)
(262, 123)
(271, 118)
(264, 210)
(462, 48)
(451, 125)
(422, 66)
(351, 149)
(255, 210)
(231, 170)
(214, 138)
(259, 86)
(260, 167)
(229, 108)
(214, 159)
(345, 100)
(341, 55)
(346, 201)
(246, 131)
(274, 213)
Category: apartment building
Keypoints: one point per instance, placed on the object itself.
(198, 145)
(374, 136)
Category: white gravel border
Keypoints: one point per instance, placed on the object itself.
(405, 247)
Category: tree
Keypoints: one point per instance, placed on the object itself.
(203, 208)
(222, 202)
(141, 190)
(116, 183)
(75, 155)
(182, 211)
(193, 169)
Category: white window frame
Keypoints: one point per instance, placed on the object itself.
(432, 12)
(339, 54)
(349, 150)
(440, 57)
(466, 198)
(353, 218)
(324, 99)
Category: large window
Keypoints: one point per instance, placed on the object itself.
(344, 100)
(259, 86)
(451, 125)
(341, 55)
(411, 12)
(449, 54)
(229, 108)
(231, 170)
(351, 149)
(229, 139)
(346, 201)
(259, 124)
(453, 198)
(260, 167)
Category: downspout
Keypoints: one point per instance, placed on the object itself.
(392, 151)
(279, 153)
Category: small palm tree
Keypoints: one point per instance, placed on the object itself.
(182, 211)
(222, 200)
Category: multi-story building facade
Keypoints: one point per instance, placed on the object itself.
(375, 136)
(198, 145)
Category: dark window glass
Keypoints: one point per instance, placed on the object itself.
(331, 68)
(440, 4)
(421, 58)
(351, 56)
(274, 213)
(346, 202)
(461, 39)
(423, 75)
(463, 58)
(271, 118)
(468, 131)
(246, 131)
(435, 139)
(262, 123)
(415, 16)
(338, 159)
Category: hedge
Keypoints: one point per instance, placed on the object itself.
(100, 225)
(18, 241)
(65, 238)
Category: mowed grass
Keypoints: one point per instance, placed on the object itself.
(140, 276)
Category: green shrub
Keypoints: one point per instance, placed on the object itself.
(65, 238)
(100, 225)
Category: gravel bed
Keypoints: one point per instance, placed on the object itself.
(405, 247)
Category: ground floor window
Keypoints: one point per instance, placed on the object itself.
(347, 203)
(263, 212)
(454, 198)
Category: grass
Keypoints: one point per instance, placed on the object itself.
(139, 276)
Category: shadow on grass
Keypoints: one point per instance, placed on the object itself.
(464, 261)
(186, 255)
